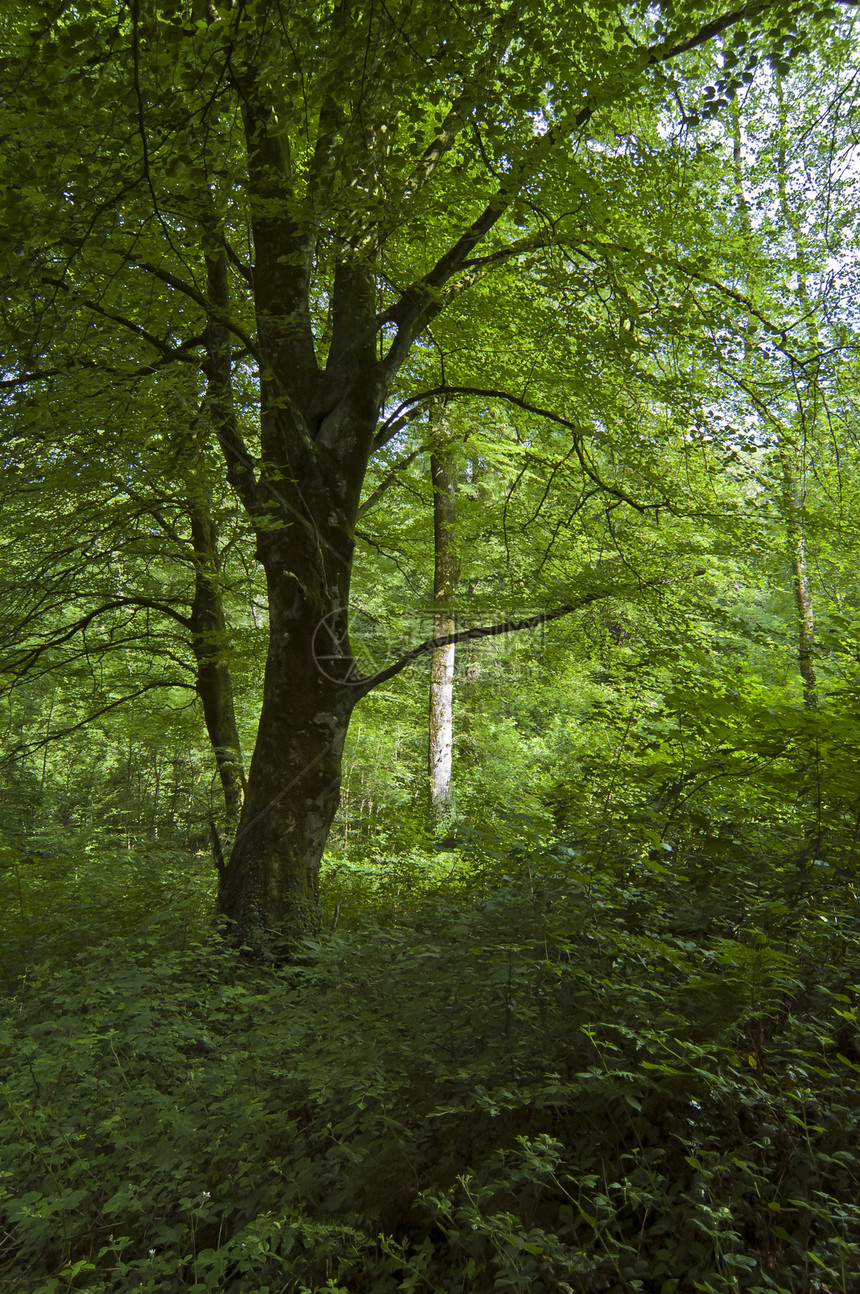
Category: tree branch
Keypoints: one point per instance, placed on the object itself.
(166, 351)
(464, 103)
(394, 424)
(421, 301)
(29, 656)
(30, 747)
(375, 495)
(180, 285)
(489, 394)
(365, 685)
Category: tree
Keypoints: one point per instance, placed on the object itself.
(294, 203)
(791, 472)
(134, 565)
(446, 573)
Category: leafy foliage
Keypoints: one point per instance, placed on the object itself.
(552, 1074)
(601, 1034)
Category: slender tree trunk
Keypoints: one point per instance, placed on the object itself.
(208, 624)
(792, 495)
(209, 641)
(793, 501)
(796, 544)
(445, 576)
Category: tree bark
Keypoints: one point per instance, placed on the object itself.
(270, 888)
(796, 544)
(209, 642)
(792, 493)
(445, 577)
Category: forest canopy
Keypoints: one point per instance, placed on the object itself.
(265, 269)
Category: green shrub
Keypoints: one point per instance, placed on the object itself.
(554, 1076)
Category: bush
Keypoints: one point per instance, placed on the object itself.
(557, 1075)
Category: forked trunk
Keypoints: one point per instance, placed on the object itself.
(317, 429)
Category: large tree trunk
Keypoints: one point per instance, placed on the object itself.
(317, 427)
(270, 888)
(271, 885)
(440, 750)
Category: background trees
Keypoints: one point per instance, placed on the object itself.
(269, 264)
(598, 1030)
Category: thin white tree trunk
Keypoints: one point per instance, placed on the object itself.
(446, 573)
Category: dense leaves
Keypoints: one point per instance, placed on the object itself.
(555, 1074)
(596, 1029)
(251, 254)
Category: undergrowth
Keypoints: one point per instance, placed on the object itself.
(559, 1074)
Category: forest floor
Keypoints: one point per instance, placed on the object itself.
(549, 1073)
